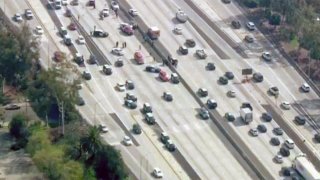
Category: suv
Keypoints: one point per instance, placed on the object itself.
(274, 91)
(203, 92)
(254, 132)
(183, 50)
(150, 118)
(258, 77)
(164, 137)
(300, 120)
(92, 59)
(266, 56)
(167, 96)
(99, 33)
(266, 117)
(107, 69)
(86, 75)
(175, 78)
(190, 43)
(170, 146)
(289, 143)
(131, 97)
(305, 87)
(204, 114)
(147, 108)
(201, 53)
(236, 24)
(250, 25)
(212, 104)
(223, 80)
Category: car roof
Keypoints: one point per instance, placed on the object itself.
(164, 134)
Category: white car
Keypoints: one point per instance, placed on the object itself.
(114, 5)
(157, 173)
(266, 56)
(105, 12)
(127, 141)
(18, 17)
(64, 2)
(285, 105)
(28, 13)
(177, 30)
(81, 40)
(278, 158)
(250, 25)
(121, 87)
(39, 30)
(117, 51)
(305, 87)
(104, 128)
(254, 132)
(133, 12)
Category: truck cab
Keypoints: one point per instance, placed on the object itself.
(246, 115)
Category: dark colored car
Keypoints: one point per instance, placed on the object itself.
(223, 80)
(267, 117)
(229, 75)
(12, 107)
(107, 69)
(278, 131)
(229, 117)
(284, 152)
(131, 97)
(246, 105)
(129, 84)
(203, 92)
(226, 1)
(183, 50)
(153, 69)
(72, 26)
(275, 141)
(212, 104)
(210, 66)
(258, 77)
(92, 59)
(262, 128)
(86, 75)
(130, 104)
(99, 33)
(236, 24)
(136, 128)
(317, 137)
(119, 62)
(300, 120)
(80, 101)
(167, 96)
(190, 43)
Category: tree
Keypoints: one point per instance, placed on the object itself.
(275, 19)
(72, 170)
(91, 143)
(109, 164)
(38, 140)
(18, 126)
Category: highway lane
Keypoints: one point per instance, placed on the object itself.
(142, 72)
(289, 81)
(199, 78)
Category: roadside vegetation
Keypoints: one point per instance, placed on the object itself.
(79, 153)
(294, 22)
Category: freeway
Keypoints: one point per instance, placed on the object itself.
(281, 73)
(177, 118)
(165, 21)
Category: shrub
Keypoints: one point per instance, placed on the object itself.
(251, 3)
(275, 19)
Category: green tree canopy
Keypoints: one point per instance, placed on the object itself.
(17, 126)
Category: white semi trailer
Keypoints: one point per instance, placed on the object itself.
(305, 168)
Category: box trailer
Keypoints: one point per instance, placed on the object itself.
(305, 168)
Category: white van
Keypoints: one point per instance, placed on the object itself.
(289, 143)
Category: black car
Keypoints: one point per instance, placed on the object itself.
(229, 117)
(99, 33)
(92, 59)
(130, 104)
(190, 43)
(236, 24)
(223, 80)
(226, 1)
(153, 69)
(130, 96)
(262, 128)
(167, 96)
(229, 75)
(258, 77)
(317, 137)
(212, 104)
(267, 117)
(86, 75)
(284, 152)
(129, 84)
(278, 131)
(203, 92)
(107, 69)
(275, 141)
(119, 62)
(183, 50)
(136, 128)
(300, 120)
(246, 105)
(210, 66)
